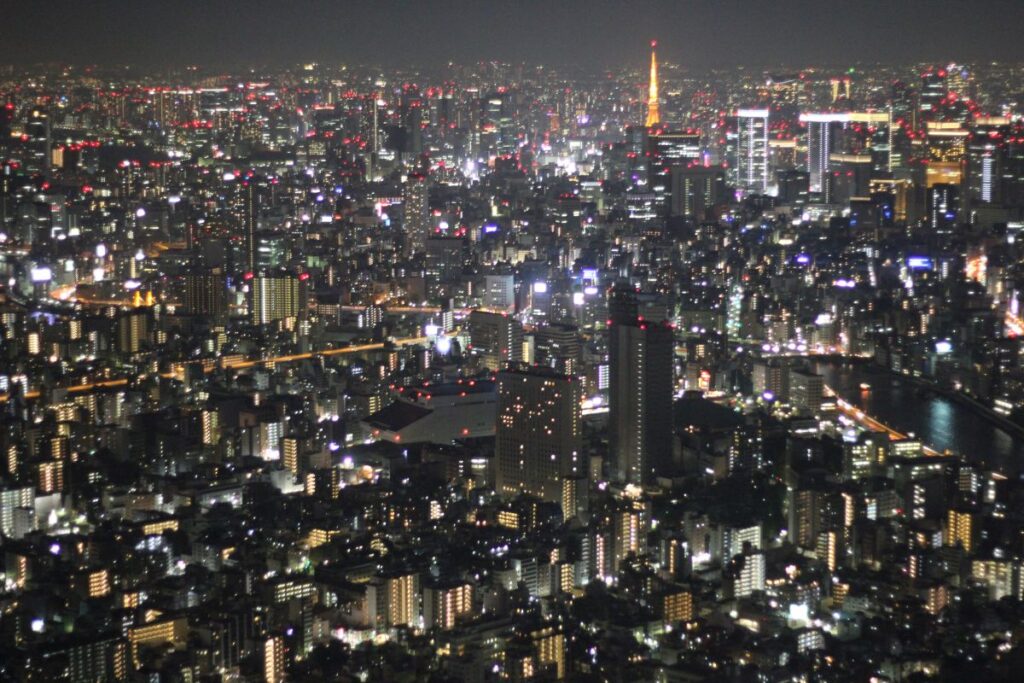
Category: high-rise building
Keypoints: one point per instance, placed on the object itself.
(273, 659)
(986, 149)
(806, 390)
(250, 221)
(205, 293)
(444, 602)
(934, 89)
(558, 347)
(539, 432)
(822, 130)
(751, 575)
(394, 599)
(752, 150)
(961, 528)
(630, 526)
(666, 151)
(946, 147)
(417, 212)
(828, 133)
(943, 207)
(445, 257)
(496, 338)
(276, 296)
(695, 190)
(640, 391)
(133, 331)
(499, 292)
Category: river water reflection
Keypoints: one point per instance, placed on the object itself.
(938, 421)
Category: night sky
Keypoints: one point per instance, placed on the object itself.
(564, 32)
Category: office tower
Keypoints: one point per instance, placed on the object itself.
(499, 292)
(412, 119)
(986, 150)
(849, 176)
(538, 433)
(946, 147)
(822, 130)
(445, 259)
(828, 133)
(276, 296)
(793, 187)
(417, 212)
(272, 250)
(943, 207)
(39, 137)
(934, 89)
(640, 391)
(666, 151)
(696, 190)
(653, 116)
(752, 150)
(497, 128)
(495, 338)
(558, 347)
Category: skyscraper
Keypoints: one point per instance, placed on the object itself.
(539, 432)
(250, 213)
(417, 213)
(653, 116)
(986, 151)
(933, 90)
(695, 190)
(668, 150)
(752, 150)
(640, 391)
(821, 132)
(495, 338)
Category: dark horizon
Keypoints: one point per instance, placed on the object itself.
(700, 34)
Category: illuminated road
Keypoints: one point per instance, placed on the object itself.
(359, 348)
(1014, 325)
(241, 364)
(864, 420)
(68, 294)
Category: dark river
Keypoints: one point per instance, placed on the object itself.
(937, 421)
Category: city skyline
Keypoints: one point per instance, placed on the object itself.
(509, 371)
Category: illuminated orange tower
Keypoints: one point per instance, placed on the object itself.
(653, 117)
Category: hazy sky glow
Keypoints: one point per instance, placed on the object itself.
(597, 32)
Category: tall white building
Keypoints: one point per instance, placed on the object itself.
(821, 133)
(752, 150)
